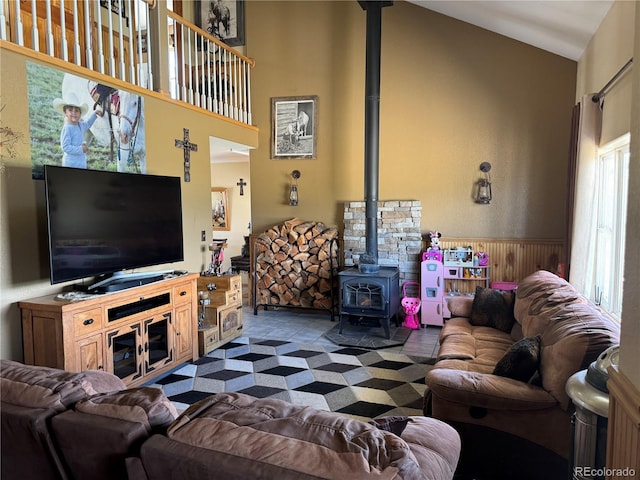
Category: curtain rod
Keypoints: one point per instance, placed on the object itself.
(597, 96)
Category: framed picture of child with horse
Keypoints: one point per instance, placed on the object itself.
(294, 127)
(224, 19)
(77, 122)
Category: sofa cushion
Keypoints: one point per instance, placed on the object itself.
(470, 347)
(270, 432)
(460, 305)
(521, 360)
(146, 405)
(493, 308)
(44, 387)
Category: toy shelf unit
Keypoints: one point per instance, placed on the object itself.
(432, 292)
(463, 281)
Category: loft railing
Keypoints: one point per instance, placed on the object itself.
(150, 47)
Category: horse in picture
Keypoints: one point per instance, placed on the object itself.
(301, 123)
(219, 14)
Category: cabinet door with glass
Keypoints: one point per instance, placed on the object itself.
(125, 351)
(158, 334)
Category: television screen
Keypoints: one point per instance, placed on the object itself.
(104, 222)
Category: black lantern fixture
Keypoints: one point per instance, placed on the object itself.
(483, 186)
(293, 189)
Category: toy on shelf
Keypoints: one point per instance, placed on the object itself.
(458, 257)
(411, 306)
(216, 247)
(482, 259)
(433, 252)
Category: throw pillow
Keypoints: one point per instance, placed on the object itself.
(493, 308)
(521, 361)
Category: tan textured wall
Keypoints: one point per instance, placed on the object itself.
(452, 96)
(611, 47)
(630, 338)
(24, 271)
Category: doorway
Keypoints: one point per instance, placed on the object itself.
(230, 170)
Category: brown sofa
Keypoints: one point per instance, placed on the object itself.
(62, 425)
(504, 401)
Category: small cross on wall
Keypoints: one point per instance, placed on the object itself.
(241, 184)
(188, 147)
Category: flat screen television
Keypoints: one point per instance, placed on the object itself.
(102, 224)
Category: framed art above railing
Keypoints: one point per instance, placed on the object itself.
(224, 19)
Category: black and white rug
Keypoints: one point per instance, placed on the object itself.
(359, 382)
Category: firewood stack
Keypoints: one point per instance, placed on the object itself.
(297, 264)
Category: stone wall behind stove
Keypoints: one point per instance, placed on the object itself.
(399, 237)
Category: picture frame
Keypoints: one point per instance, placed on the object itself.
(294, 127)
(223, 19)
(220, 214)
(114, 6)
(142, 38)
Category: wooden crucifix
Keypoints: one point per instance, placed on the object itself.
(241, 184)
(188, 147)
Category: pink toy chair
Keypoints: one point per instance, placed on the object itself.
(411, 306)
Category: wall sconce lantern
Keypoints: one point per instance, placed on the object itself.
(483, 186)
(293, 189)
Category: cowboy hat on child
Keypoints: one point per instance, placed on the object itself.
(69, 99)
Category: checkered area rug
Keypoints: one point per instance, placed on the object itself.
(359, 382)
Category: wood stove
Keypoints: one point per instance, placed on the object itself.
(372, 296)
(374, 292)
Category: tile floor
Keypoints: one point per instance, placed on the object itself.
(284, 353)
(309, 327)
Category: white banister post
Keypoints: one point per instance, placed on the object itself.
(35, 39)
(87, 35)
(133, 32)
(19, 37)
(49, 32)
(249, 120)
(158, 42)
(77, 57)
(122, 69)
(64, 45)
(101, 59)
(3, 19)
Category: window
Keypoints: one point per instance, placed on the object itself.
(611, 194)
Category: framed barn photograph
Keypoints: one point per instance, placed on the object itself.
(224, 19)
(294, 127)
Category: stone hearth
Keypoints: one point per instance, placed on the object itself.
(399, 237)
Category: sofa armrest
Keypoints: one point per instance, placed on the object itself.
(487, 390)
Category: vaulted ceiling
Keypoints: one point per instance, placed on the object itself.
(562, 27)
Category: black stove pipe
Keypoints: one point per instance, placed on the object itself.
(372, 124)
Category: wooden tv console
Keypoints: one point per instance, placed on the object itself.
(137, 333)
